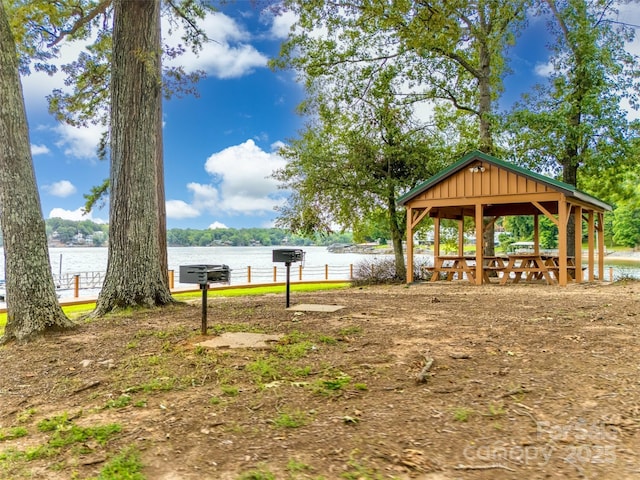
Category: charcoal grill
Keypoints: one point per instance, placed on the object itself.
(288, 256)
(203, 275)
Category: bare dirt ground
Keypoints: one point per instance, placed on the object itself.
(527, 382)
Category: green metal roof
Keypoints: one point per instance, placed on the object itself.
(568, 190)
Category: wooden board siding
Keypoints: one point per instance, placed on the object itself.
(493, 182)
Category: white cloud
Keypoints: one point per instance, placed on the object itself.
(544, 69)
(244, 173)
(75, 215)
(228, 53)
(215, 225)
(179, 209)
(79, 142)
(282, 22)
(39, 149)
(242, 184)
(63, 188)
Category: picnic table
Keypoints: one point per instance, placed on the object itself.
(451, 265)
(531, 264)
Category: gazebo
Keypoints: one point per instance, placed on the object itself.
(485, 188)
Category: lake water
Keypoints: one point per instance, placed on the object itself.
(319, 264)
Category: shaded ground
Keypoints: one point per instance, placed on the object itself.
(527, 382)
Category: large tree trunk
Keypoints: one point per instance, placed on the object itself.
(32, 305)
(486, 137)
(135, 276)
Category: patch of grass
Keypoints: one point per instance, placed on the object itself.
(293, 419)
(12, 433)
(26, 415)
(360, 386)
(230, 390)
(257, 474)
(294, 351)
(262, 290)
(64, 434)
(495, 410)
(55, 423)
(160, 384)
(349, 331)
(294, 466)
(120, 402)
(360, 472)
(333, 384)
(266, 369)
(327, 340)
(124, 466)
(462, 414)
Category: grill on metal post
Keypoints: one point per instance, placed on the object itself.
(288, 256)
(203, 275)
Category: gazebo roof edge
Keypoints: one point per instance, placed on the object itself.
(475, 155)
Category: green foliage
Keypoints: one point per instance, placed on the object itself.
(257, 475)
(574, 125)
(626, 221)
(293, 419)
(67, 231)
(462, 414)
(12, 433)
(124, 466)
(247, 237)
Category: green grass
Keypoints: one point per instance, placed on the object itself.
(262, 290)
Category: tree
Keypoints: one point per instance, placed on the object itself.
(575, 125)
(446, 50)
(134, 276)
(351, 164)
(90, 102)
(32, 305)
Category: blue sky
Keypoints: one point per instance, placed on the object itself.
(220, 148)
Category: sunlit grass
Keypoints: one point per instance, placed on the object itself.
(262, 290)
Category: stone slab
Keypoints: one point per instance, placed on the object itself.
(309, 307)
(241, 340)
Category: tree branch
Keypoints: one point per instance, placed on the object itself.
(82, 21)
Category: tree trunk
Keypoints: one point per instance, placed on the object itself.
(134, 275)
(486, 137)
(32, 305)
(396, 239)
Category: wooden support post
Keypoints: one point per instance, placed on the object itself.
(249, 274)
(409, 278)
(563, 218)
(577, 215)
(275, 274)
(591, 259)
(600, 230)
(76, 286)
(479, 243)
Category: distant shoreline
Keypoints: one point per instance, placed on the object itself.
(627, 256)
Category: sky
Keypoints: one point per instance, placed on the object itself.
(220, 148)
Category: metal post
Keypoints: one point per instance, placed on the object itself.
(288, 265)
(204, 288)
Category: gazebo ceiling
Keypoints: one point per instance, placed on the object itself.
(491, 210)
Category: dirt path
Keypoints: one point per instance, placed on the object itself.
(527, 382)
